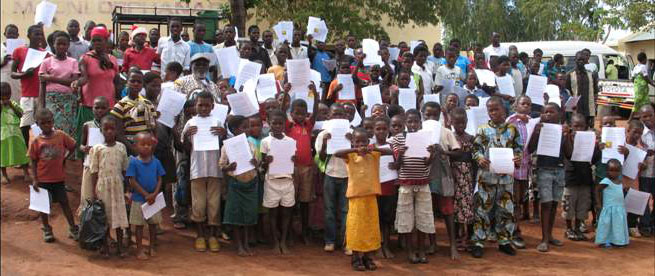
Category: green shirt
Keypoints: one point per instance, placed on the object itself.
(611, 73)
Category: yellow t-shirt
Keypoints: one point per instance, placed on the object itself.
(363, 174)
(278, 71)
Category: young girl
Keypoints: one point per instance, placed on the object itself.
(388, 191)
(362, 231)
(463, 175)
(100, 109)
(452, 101)
(521, 174)
(14, 151)
(612, 229)
(241, 203)
(107, 164)
(414, 211)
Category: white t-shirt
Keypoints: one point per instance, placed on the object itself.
(445, 75)
(426, 74)
(494, 51)
(299, 52)
(639, 69)
(265, 148)
(591, 67)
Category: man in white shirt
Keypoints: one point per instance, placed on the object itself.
(173, 48)
(267, 37)
(423, 68)
(495, 49)
(298, 51)
(229, 38)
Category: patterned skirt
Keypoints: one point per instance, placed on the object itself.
(463, 177)
(64, 108)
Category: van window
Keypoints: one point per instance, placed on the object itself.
(621, 64)
(569, 62)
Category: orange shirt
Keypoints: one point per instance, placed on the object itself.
(363, 174)
(49, 154)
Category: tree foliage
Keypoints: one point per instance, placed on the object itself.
(630, 14)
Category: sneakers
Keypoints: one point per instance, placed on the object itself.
(476, 251)
(507, 249)
(48, 236)
(518, 242)
(583, 227)
(571, 235)
(214, 246)
(200, 245)
(634, 232)
(329, 247)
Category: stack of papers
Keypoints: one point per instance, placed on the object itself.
(371, 48)
(372, 96)
(317, 28)
(284, 31)
(228, 61)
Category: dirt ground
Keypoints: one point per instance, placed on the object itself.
(25, 253)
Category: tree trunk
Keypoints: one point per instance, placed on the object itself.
(238, 19)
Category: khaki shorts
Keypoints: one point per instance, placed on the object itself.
(576, 202)
(136, 215)
(303, 180)
(206, 200)
(28, 104)
(414, 209)
(279, 191)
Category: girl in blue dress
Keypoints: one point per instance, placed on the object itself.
(612, 227)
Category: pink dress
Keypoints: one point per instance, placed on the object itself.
(101, 82)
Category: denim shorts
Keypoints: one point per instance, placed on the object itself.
(550, 182)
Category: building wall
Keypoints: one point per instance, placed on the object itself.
(634, 48)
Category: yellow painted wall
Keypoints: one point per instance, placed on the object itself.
(634, 48)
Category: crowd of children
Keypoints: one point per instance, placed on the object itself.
(228, 176)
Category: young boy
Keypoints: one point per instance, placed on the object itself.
(425, 69)
(139, 54)
(579, 180)
(48, 152)
(633, 135)
(144, 173)
(447, 76)
(494, 193)
(205, 177)
(279, 192)
(550, 175)
(647, 176)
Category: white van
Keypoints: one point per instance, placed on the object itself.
(600, 54)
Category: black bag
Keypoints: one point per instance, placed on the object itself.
(93, 225)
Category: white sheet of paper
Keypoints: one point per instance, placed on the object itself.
(435, 128)
(284, 31)
(303, 94)
(636, 201)
(506, 85)
(471, 125)
(317, 28)
(479, 116)
(501, 160)
(349, 52)
(584, 144)
(228, 61)
(431, 98)
(281, 151)
(318, 125)
(316, 79)
(170, 105)
(532, 123)
(613, 137)
(45, 13)
(266, 87)
(36, 130)
(12, 44)
(150, 210)
(536, 88)
(371, 48)
(242, 104)
(417, 143)
(39, 201)
(204, 140)
(250, 88)
(407, 98)
(95, 137)
(348, 90)
(238, 150)
(571, 103)
(553, 94)
(394, 52)
(357, 119)
(33, 59)
(220, 112)
(372, 96)
(298, 71)
(337, 129)
(387, 174)
(631, 164)
(247, 70)
(550, 140)
(486, 77)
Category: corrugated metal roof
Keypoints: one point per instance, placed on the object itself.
(641, 36)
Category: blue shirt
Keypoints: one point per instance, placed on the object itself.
(462, 62)
(146, 174)
(199, 48)
(317, 64)
(437, 61)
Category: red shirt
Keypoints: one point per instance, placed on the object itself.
(302, 133)
(143, 59)
(49, 154)
(29, 87)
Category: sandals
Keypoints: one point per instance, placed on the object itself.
(369, 264)
(357, 264)
(48, 236)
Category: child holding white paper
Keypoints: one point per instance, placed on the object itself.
(463, 170)
(388, 197)
(14, 150)
(107, 165)
(414, 211)
(647, 176)
(495, 212)
(579, 182)
(135, 112)
(100, 110)
(336, 87)
(612, 229)
(633, 137)
(449, 75)
(279, 192)
(241, 204)
(522, 106)
(550, 175)
(205, 177)
(144, 172)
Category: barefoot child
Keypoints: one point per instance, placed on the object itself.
(14, 151)
(632, 137)
(100, 109)
(241, 204)
(388, 190)
(612, 227)
(48, 152)
(107, 165)
(279, 192)
(463, 174)
(647, 176)
(204, 177)
(144, 173)
(362, 224)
